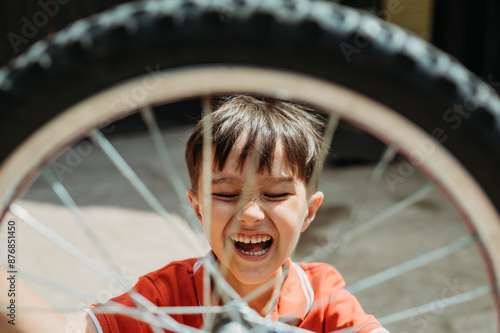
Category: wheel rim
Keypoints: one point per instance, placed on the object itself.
(437, 164)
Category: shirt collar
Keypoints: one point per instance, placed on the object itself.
(295, 300)
(296, 297)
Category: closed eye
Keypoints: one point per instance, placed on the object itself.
(277, 196)
(224, 196)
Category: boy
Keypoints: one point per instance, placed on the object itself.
(253, 226)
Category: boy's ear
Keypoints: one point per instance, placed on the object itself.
(314, 203)
(195, 203)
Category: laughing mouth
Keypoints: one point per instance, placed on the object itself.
(255, 245)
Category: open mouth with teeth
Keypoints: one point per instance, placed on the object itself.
(255, 245)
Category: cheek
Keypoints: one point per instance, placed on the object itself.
(221, 215)
(288, 221)
(221, 210)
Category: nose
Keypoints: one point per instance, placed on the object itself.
(252, 213)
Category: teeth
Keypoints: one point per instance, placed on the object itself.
(250, 239)
(258, 253)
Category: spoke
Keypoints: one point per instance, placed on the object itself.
(400, 206)
(68, 290)
(154, 317)
(235, 222)
(118, 308)
(366, 192)
(46, 232)
(330, 129)
(170, 170)
(156, 329)
(346, 330)
(269, 325)
(220, 281)
(117, 160)
(191, 309)
(174, 309)
(260, 290)
(243, 200)
(147, 317)
(176, 180)
(211, 268)
(70, 204)
(316, 173)
(220, 285)
(206, 190)
(148, 312)
(168, 166)
(215, 271)
(411, 264)
(83, 223)
(207, 157)
(323, 302)
(368, 189)
(60, 309)
(436, 305)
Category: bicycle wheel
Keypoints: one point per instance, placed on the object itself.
(419, 102)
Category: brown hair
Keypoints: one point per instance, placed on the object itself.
(264, 122)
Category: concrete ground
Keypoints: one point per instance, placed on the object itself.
(140, 241)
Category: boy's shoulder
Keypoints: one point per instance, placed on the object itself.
(321, 275)
(173, 284)
(176, 269)
(307, 292)
(177, 274)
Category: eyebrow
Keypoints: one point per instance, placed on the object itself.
(227, 180)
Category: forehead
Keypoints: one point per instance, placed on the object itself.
(233, 171)
(280, 167)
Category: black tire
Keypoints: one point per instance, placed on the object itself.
(324, 40)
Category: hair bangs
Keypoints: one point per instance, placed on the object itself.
(256, 127)
(256, 140)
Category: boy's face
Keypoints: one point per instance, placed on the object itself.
(254, 243)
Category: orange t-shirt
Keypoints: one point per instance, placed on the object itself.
(312, 297)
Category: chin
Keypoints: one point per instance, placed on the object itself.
(253, 277)
(253, 280)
